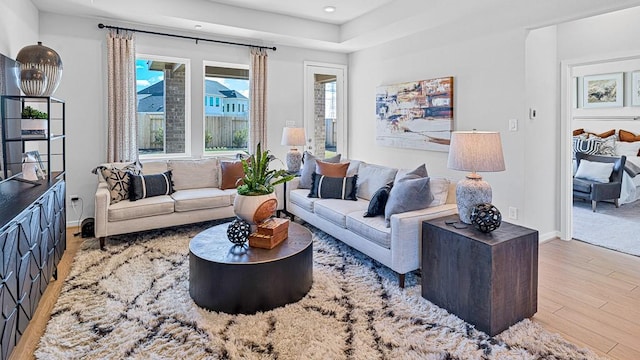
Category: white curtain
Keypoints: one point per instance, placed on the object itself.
(258, 98)
(121, 58)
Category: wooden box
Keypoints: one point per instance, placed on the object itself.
(273, 226)
(267, 241)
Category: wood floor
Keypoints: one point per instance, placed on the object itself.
(587, 294)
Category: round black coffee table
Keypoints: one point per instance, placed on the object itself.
(245, 280)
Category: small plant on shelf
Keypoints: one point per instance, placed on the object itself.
(30, 113)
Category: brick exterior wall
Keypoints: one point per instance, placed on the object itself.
(319, 132)
(174, 81)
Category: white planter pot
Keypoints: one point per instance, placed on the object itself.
(255, 209)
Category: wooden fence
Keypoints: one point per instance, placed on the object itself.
(220, 131)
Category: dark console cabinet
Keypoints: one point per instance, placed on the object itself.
(33, 239)
(489, 280)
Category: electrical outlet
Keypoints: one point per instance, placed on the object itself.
(513, 212)
(74, 198)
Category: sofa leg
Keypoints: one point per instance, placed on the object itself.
(102, 241)
(401, 280)
(593, 205)
(617, 203)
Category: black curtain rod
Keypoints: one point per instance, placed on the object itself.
(103, 26)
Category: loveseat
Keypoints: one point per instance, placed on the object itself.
(396, 246)
(204, 190)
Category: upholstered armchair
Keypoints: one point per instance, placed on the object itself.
(587, 188)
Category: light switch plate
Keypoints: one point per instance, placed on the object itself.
(513, 124)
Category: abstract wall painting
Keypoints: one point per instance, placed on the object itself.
(415, 115)
(604, 90)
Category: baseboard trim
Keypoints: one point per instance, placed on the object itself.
(552, 235)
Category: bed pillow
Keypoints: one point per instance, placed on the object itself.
(325, 187)
(146, 186)
(594, 171)
(379, 201)
(607, 144)
(603, 134)
(309, 167)
(630, 149)
(628, 136)
(578, 132)
(587, 146)
(408, 195)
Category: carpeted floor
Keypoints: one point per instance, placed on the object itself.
(609, 227)
(132, 302)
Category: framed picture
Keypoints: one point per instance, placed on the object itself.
(635, 88)
(416, 114)
(604, 90)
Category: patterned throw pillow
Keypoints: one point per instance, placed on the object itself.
(118, 180)
(145, 186)
(325, 187)
(587, 146)
(607, 144)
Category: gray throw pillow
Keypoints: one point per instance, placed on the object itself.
(309, 167)
(408, 195)
(419, 172)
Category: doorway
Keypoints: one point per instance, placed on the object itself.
(325, 99)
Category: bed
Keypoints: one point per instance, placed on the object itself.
(630, 184)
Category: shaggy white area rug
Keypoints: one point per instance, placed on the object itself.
(132, 302)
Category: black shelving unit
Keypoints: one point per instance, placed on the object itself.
(51, 141)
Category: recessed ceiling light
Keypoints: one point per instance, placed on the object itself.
(198, 26)
(329, 9)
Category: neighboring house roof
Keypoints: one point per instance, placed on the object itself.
(151, 99)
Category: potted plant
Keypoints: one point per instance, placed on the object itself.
(34, 122)
(256, 199)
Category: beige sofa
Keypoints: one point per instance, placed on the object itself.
(197, 198)
(397, 246)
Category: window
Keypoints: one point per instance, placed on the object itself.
(162, 86)
(211, 101)
(225, 129)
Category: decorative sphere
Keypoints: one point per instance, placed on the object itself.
(238, 231)
(486, 217)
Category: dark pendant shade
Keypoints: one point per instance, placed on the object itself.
(41, 70)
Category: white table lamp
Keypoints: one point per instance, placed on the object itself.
(293, 137)
(474, 151)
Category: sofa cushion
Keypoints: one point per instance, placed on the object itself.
(126, 210)
(198, 199)
(336, 211)
(370, 228)
(301, 198)
(309, 167)
(194, 174)
(440, 190)
(373, 177)
(406, 195)
(154, 167)
(145, 186)
(581, 185)
(232, 174)
(326, 187)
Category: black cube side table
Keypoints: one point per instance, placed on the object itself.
(489, 280)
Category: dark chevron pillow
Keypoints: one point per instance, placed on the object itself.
(379, 201)
(144, 186)
(587, 146)
(118, 180)
(326, 187)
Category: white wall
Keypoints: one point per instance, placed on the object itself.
(18, 26)
(82, 47)
(489, 89)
